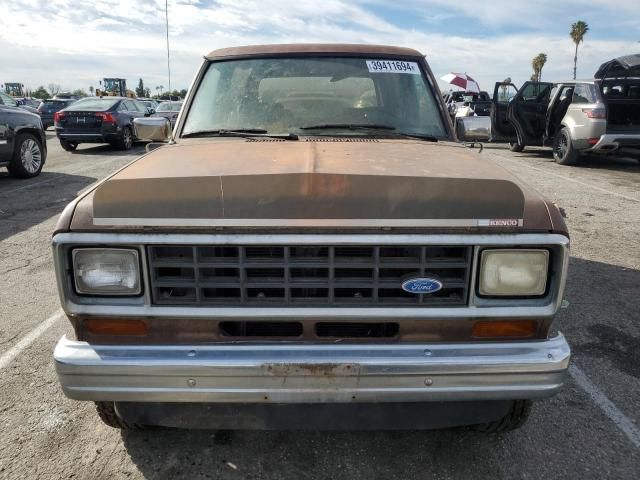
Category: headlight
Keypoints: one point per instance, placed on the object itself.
(513, 273)
(106, 271)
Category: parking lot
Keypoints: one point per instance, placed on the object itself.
(590, 430)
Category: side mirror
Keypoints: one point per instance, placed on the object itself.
(156, 129)
(473, 129)
(149, 111)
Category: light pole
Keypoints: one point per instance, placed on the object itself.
(166, 16)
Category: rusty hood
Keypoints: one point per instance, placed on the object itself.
(240, 183)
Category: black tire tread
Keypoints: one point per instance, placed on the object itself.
(515, 418)
(68, 146)
(109, 416)
(572, 156)
(516, 147)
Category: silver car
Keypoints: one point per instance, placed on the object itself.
(575, 117)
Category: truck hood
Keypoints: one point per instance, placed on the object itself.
(240, 184)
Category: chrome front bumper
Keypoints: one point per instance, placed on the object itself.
(294, 373)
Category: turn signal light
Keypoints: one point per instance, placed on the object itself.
(107, 326)
(505, 329)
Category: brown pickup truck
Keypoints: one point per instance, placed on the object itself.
(311, 249)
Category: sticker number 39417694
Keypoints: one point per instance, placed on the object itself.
(393, 66)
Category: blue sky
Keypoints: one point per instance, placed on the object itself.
(74, 43)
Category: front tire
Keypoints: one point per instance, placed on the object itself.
(516, 417)
(563, 151)
(109, 416)
(68, 146)
(516, 147)
(126, 139)
(28, 157)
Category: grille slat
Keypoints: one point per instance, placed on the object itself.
(323, 275)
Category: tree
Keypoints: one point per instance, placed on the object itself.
(140, 90)
(147, 92)
(53, 88)
(41, 93)
(183, 93)
(79, 93)
(578, 30)
(91, 90)
(537, 63)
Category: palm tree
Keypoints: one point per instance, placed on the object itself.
(578, 30)
(538, 63)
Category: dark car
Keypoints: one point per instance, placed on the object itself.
(23, 143)
(169, 110)
(48, 107)
(99, 120)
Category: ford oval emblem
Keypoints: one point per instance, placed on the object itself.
(421, 285)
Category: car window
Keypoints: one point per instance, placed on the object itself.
(285, 94)
(535, 92)
(169, 107)
(7, 100)
(93, 104)
(506, 92)
(584, 93)
(138, 107)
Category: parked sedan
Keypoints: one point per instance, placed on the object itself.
(49, 107)
(99, 120)
(169, 110)
(23, 144)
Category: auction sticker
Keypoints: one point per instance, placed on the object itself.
(393, 66)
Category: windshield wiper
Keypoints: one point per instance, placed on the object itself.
(349, 126)
(241, 132)
(421, 136)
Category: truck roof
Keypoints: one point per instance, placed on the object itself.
(312, 48)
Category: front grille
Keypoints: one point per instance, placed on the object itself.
(293, 276)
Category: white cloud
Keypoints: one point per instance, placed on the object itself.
(74, 43)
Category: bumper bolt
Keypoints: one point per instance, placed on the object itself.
(428, 382)
(191, 382)
(191, 353)
(427, 353)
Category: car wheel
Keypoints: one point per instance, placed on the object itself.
(109, 416)
(28, 157)
(563, 151)
(126, 139)
(515, 418)
(68, 146)
(516, 147)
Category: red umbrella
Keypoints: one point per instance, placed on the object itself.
(462, 80)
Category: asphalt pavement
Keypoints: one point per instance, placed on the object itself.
(590, 430)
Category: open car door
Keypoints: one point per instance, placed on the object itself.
(501, 128)
(528, 112)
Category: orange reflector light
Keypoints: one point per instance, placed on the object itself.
(505, 328)
(107, 326)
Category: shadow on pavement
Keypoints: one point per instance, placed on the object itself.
(601, 321)
(24, 203)
(108, 150)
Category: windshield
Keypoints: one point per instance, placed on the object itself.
(169, 107)
(93, 104)
(7, 100)
(287, 94)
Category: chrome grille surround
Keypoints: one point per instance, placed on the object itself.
(306, 275)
